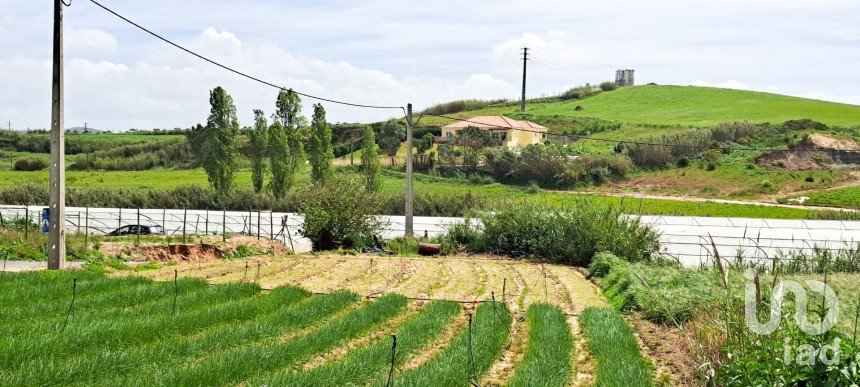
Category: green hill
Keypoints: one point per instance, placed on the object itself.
(689, 105)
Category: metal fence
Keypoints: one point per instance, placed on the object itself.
(687, 239)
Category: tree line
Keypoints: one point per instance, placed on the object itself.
(278, 150)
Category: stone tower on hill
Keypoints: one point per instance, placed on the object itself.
(624, 77)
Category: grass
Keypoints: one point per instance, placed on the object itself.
(617, 356)
(547, 361)
(451, 367)
(840, 197)
(685, 105)
(236, 365)
(371, 362)
(394, 184)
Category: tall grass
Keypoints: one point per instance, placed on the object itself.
(548, 357)
(372, 361)
(451, 367)
(617, 356)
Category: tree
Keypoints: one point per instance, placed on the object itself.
(390, 138)
(370, 160)
(472, 140)
(423, 158)
(219, 158)
(257, 141)
(288, 113)
(320, 152)
(196, 138)
(279, 154)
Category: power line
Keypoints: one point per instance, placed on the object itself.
(578, 137)
(234, 70)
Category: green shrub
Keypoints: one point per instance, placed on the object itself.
(569, 234)
(580, 92)
(608, 86)
(683, 162)
(336, 215)
(29, 164)
(664, 292)
(710, 166)
(603, 263)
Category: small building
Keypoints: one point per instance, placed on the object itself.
(624, 77)
(510, 132)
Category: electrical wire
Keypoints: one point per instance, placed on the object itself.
(589, 138)
(237, 71)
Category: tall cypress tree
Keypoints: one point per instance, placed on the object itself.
(219, 158)
(320, 151)
(289, 108)
(258, 139)
(370, 160)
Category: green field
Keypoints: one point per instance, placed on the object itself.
(131, 331)
(687, 105)
(840, 197)
(394, 184)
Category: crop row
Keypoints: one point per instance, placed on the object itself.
(129, 331)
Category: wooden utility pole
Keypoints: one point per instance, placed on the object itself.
(408, 210)
(57, 202)
(523, 96)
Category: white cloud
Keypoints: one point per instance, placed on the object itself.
(88, 41)
(730, 84)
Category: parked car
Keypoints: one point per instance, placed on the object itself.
(134, 229)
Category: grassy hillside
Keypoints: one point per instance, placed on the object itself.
(688, 105)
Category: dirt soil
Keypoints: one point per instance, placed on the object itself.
(822, 141)
(669, 349)
(204, 249)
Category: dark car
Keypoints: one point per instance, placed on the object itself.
(135, 229)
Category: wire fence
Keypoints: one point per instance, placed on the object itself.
(690, 240)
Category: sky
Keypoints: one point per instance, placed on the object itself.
(394, 52)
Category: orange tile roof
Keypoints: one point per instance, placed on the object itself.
(496, 122)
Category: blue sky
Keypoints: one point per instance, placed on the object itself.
(387, 52)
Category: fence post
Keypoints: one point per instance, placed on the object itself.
(250, 222)
(79, 223)
(289, 235)
(119, 223)
(27, 222)
(206, 229)
(184, 220)
(271, 225)
(137, 236)
(87, 228)
(224, 226)
(258, 225)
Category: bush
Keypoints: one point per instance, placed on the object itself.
(337, 216)
(580, 92)
(30, 165)
(683, 162)
(602, 264)
(568, 234)
(462, 105)
(711, 167)
(608, 86)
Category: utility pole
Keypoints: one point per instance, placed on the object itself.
(85, 127)
(57, 202)
(523, 97)
(408, 210)
(10, 125)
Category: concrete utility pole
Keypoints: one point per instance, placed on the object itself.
(57, 202)
(408, 210)
(523, 97)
